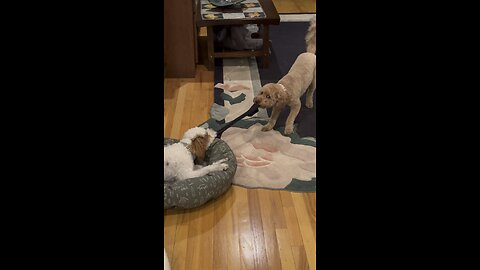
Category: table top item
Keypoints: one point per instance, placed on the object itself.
(224, 3)
(246, 12)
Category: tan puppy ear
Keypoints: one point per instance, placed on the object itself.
(199, 146)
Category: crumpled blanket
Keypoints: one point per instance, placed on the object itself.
(231, 87)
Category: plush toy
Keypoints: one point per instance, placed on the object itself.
(238, 38)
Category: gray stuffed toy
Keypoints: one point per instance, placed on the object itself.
(238, 38)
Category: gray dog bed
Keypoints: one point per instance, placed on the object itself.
(197, 191)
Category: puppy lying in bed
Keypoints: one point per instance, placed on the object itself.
(288, 90)
(178, 158)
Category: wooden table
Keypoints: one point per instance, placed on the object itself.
(271, 17)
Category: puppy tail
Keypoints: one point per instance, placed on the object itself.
(311, 37)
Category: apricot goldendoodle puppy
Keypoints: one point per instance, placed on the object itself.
(287, 92)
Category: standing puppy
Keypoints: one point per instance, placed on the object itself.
(287, 92)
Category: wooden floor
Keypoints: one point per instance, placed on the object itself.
(295, 6)
(187, 102)
(244, 228)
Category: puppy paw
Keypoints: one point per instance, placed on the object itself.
(267, 127)
(309, 104)
(288, 130)
(220, 161)
(220, 166)
(224, 166)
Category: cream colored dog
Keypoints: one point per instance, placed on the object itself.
(287, 92)
(311, 37)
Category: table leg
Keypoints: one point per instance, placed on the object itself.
(210, 40)
(266, 46)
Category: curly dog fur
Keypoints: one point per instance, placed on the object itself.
(311, 37)
(287, 92)
(178, 158)
(300, 78)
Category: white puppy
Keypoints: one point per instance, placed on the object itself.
(178, 158)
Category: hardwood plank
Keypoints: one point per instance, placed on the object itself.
(311, 204)
(271, 243)
(246, 235)
(300, 256)
(305, 228)
(295, 6)
(206, 97)
(286, 6)
(170, 98)
(179, 254)
(285, 250)
(291, 219)
(233, 247)
(220, 237)
(206, 238)
(198, 115)
(193, 241)
(187, 108)
(169, 232)
(278, 216)
(176, 131)
(306, 6)
(256, 221)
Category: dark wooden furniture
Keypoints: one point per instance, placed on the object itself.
(179, 39)
(271, 17)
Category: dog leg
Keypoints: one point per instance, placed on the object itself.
(294, 109)
(310, 90)
(273, 119)
(217, 166)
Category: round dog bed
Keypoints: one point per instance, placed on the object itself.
(197, 191)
